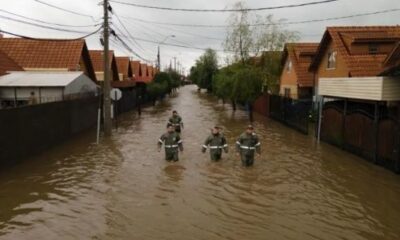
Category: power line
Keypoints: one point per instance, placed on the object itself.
(42, 26)
(65, 10)
(43, 39)
(223, 10)
(50, 23)
(129, 34)
(269, 24)
(126, 46)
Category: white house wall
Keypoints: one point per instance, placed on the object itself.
(82, 84)
(366, 88)
(47, 94)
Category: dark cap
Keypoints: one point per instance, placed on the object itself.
(174, 111)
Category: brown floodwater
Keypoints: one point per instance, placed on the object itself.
(124, 189)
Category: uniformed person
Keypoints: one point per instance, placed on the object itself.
(247, 144)
(172, 142)
(176, 121)
(216, 142)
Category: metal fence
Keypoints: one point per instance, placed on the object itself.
(31, 129)
(293, 113)
(354, 128)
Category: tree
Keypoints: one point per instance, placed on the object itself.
(204, 70)
(254, 44)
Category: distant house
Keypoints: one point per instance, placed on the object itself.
(125, 73)
(136, 69)
(145, 77)
(97, 59)
(7, 64)
(349, 61)
(296, 80)
(49, 55)
(16, 88)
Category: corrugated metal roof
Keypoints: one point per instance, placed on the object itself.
(38, 79)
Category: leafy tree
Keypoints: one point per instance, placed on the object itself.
(204, 70)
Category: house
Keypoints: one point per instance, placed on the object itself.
(359, 104)
(7, 64)
(353, 53)
(151, 72)
(145, 77)
(97, 59)
(296, 80)
(46, 86)
(125, 73)
(49, 55)
(136, 69)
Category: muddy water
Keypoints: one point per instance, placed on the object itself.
(123, 189)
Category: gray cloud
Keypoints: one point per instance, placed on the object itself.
(184, 35)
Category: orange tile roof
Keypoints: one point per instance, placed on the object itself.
(44, 53)
(7, 64)
(145, 77)
(136, 70)
(123, 66)
(301, 56)
(359, 65)
(151, 71)
(392, 62)
(98, 61)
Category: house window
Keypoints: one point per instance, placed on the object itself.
(373, 48)
(332, 60)
(289, 66)
(287, 92)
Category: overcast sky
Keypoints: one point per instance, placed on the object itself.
(189, 36)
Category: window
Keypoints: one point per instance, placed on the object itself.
(287, 92)
(332, 60)
(373, 48)
(289, 66)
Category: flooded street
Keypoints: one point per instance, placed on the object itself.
(124, 189)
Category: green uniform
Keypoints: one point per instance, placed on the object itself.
(176, 121)
(246, 145)
(172, 143)
(216, 142)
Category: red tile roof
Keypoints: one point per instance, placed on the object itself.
(392, 62)
(124, 67)
(48, 54)
(359, 65)
(98, 61)
(145, 78)
(301, 55)
(7, 64)
(43, 53)
(136, 69)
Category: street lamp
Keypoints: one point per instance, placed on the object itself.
(158, 54)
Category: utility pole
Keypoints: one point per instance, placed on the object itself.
(106, 83)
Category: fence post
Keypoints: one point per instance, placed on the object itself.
(376, 126)
(344, 123)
